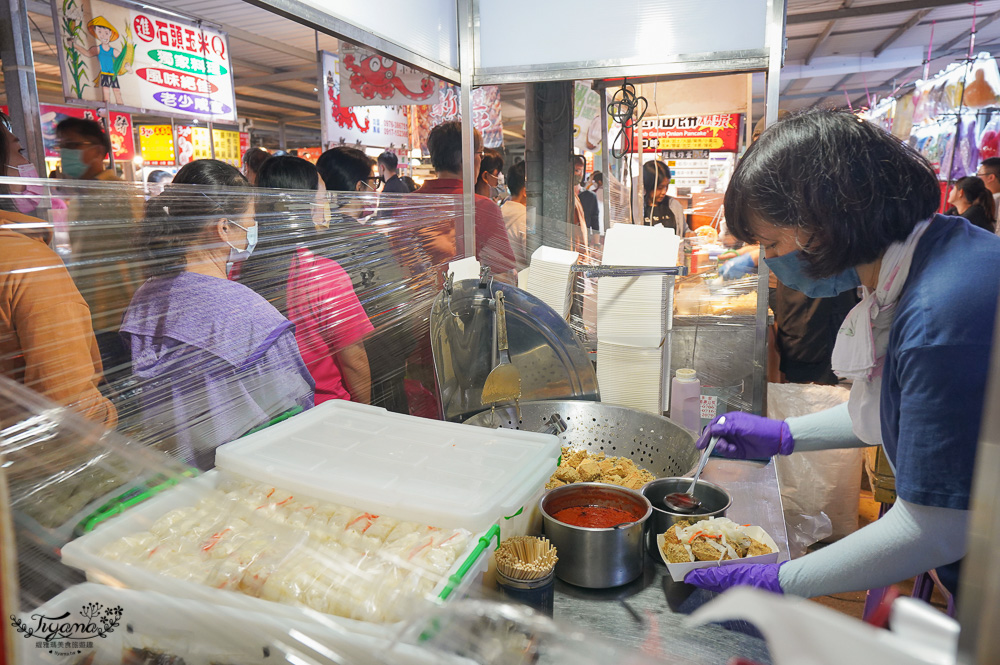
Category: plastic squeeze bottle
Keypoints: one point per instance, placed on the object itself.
(685, 400)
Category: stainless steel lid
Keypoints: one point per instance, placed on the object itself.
(552, 362)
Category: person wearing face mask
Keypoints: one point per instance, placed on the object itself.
(311, 289)
(488, 178)
(46, 339)
(492, 246)
(101, 221)
(17, 197)
(83, 147)
(213, 358)
(376, 271)
(836, 203)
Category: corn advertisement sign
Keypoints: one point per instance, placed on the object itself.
(136, 59)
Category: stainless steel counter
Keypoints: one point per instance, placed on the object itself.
(649, 613)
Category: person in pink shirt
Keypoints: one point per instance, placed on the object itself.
(313, 291)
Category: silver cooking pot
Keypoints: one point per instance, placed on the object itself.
(596, 558)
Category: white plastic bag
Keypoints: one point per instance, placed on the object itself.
(819, 490)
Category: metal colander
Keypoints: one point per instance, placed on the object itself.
(652, 442)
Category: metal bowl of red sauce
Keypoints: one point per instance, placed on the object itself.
(598, 531)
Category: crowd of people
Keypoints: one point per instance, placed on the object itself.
(227, 298)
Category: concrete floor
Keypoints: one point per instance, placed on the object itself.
(853, 603)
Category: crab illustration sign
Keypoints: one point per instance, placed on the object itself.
(373, 126)
(134, 58)
(368, 78)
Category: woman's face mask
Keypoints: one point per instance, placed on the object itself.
(235, 254)
(790, 269)
(27, 200)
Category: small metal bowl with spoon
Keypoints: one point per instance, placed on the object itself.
(686, 503)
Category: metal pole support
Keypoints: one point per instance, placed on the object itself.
(19, 77)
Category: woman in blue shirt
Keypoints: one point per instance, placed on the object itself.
(837, 203)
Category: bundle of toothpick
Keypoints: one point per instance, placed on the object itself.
(526, 557)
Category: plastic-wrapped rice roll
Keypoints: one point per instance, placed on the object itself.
(381, 528)
(402, 530)
(163, 526)
(340, 517)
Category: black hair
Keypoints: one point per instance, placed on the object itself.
(159, 175)
(88, 129)
(445, 145)
(850, 188)
(408, 181)
(516, 178)
(974, 190)
(598, 177)
(287, 172)
(174, 220)
(492, 161)
(343, 167)
(283, 227)
(992, 165)
(389, 160)
(653, 174)
(254, 158)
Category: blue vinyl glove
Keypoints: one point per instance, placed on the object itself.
(735, 268)
(746, 436)
(719, 579)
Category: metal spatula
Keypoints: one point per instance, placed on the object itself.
(504, 383)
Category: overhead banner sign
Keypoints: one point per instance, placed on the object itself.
(156, 142)
(374, 126)
(367, 79)
(134, 57)
(486, 115)
(119, 129)
(718, 132)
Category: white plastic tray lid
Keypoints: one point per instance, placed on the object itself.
(428, 471)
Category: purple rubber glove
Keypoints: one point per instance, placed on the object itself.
(746, 436)
(718, 579)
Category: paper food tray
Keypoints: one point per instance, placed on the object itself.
(679, 570)
(204, 633)
(83, 553)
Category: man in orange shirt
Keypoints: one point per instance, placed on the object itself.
(46, 338)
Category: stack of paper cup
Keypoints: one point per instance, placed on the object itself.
(631, 327)
(550, 279)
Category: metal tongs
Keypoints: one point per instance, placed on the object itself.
(503, 383)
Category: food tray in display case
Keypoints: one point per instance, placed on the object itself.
(430, 478)
(87, 553)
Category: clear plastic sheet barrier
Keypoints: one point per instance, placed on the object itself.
(141, 329)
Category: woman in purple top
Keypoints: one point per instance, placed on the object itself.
(214, 358)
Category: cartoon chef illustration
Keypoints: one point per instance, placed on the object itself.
(114, 62)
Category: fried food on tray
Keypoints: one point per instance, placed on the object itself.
(581, 466)
(676, 553)
(714, 539)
